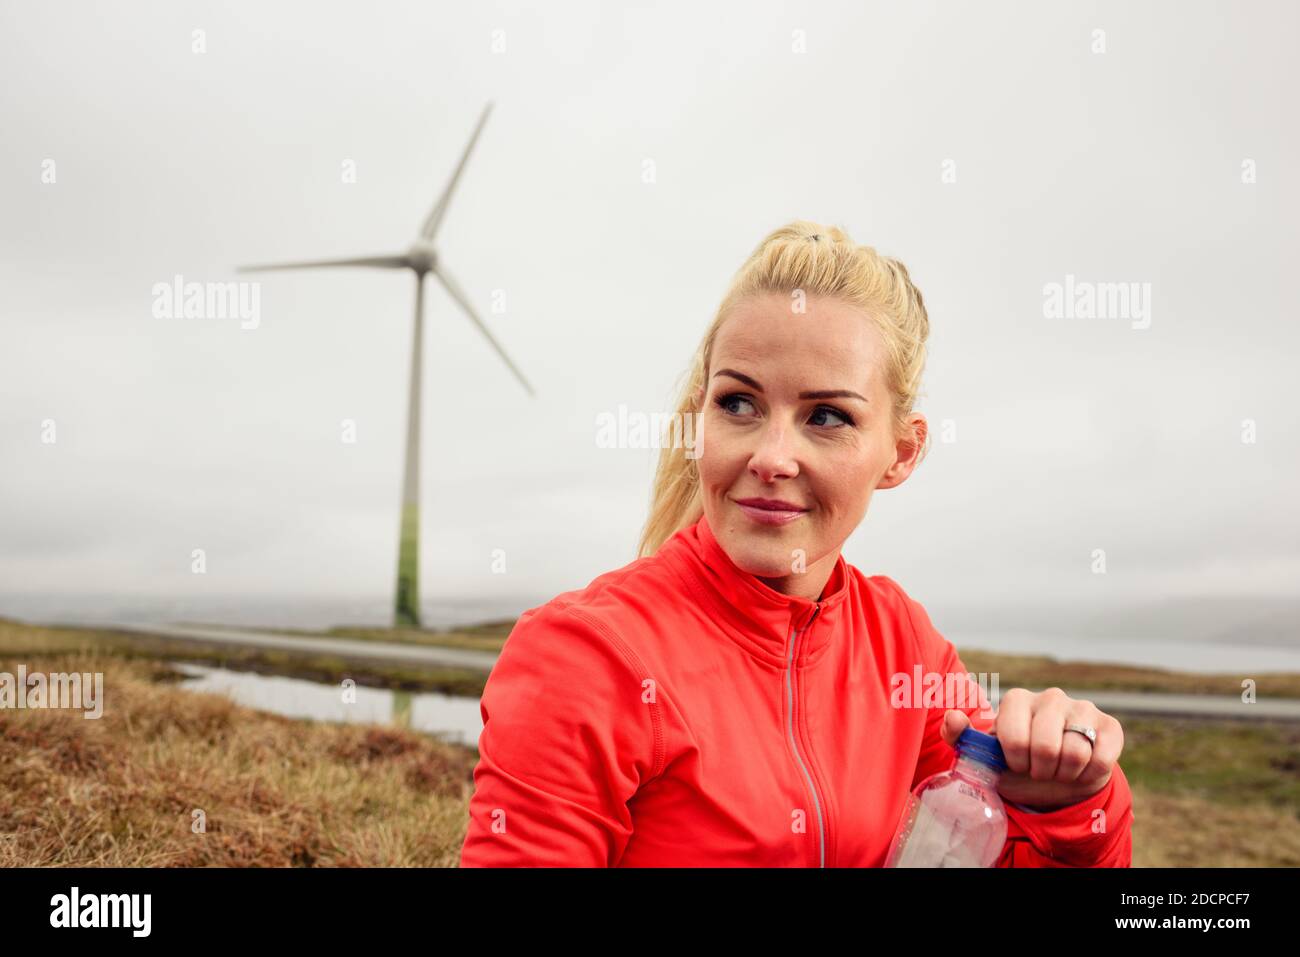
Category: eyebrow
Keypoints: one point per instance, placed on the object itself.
(818, 394)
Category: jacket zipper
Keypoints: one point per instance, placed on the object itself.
(789, 709)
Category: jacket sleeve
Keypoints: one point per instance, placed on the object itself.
(567, 740)
(1095, 832)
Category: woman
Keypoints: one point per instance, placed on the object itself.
(727, 699)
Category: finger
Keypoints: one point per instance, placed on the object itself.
(1110, 742)
(1045, 731)
(1012, 727)
(1076, 752)
(977, 706)
(954, 726)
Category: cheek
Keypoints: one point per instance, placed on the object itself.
(721, 458)
(847, 482)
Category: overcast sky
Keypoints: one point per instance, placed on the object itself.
(1128, 164)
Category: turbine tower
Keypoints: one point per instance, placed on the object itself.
(421, 258)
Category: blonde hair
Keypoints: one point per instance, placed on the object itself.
(819, 260)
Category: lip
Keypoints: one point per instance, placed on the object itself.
(767, 511)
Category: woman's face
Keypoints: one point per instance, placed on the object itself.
(765, 437)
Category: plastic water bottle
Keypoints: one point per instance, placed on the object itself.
(955, 818)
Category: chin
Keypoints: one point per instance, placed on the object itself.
(763, 559)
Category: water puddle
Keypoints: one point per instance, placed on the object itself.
(455, 719)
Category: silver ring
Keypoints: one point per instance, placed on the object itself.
(1087, 732)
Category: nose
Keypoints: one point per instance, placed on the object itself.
(774, 457)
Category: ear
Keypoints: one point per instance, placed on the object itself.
(907, 451)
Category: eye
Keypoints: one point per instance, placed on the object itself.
(725, 401)
(844, 416)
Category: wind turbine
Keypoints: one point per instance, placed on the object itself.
(421, 258)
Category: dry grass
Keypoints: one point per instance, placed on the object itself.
(121, 791)
(1186, 830)
(1213, 793)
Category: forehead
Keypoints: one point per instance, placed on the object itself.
(831, 342)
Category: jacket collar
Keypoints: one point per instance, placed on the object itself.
(755, 615)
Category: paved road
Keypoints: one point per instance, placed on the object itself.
(1125, 702)
(1191, 705)
(350, 648)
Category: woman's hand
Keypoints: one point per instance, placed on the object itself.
(1049, 767)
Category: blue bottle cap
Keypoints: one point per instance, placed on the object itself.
(984, 748)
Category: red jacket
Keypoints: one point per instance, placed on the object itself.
(678, 712)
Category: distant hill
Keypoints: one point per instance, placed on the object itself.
(1252, 621)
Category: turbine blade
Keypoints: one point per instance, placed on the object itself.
(382, 262)
(454, 290)
(439, 210)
